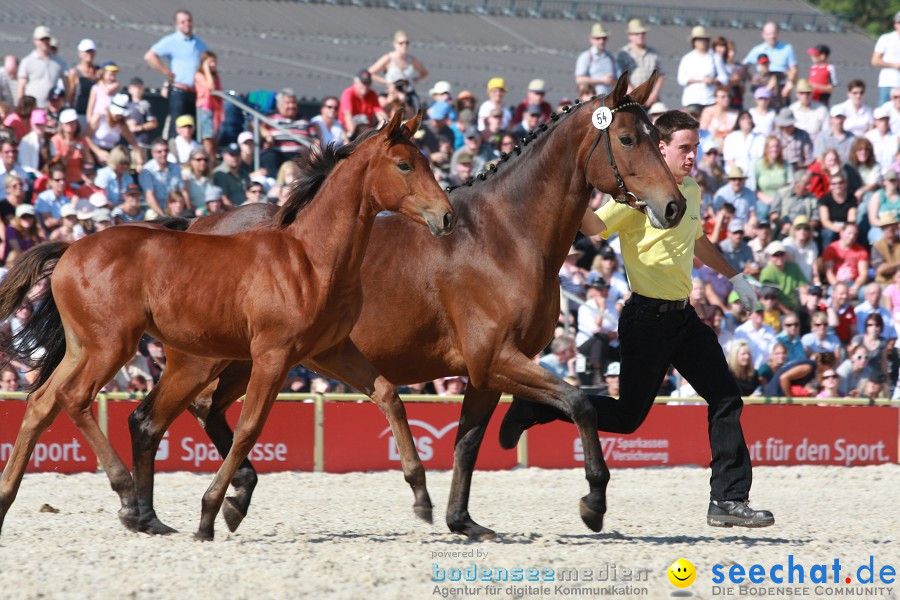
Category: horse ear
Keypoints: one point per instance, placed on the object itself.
(390, 129)
(642, 92)
(621, 89)
(412, 125)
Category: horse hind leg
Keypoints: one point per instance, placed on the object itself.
(40, 411)
(185, 377)
(210, 409)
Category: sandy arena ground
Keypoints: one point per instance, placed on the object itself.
(354, 536)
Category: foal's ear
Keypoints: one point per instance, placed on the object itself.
(391, 127)
(642, 92)
(411, 126)
(621, 89)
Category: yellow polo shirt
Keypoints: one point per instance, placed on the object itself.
(658, 262)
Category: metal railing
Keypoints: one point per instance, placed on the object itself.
(257, 118)
(733, 18)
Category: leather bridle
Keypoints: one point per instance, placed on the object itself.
(625, 197)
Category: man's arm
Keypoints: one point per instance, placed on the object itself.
(861, 278)
(152, 60)
(712, 257)
(591, 224)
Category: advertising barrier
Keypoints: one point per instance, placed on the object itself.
(350, 435)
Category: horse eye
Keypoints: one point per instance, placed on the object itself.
(404, 166)
(626, 140)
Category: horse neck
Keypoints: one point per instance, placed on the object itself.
(335, 227)
(545, 191)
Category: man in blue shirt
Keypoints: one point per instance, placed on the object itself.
(738, 195)
(183, 49)
(782, 60)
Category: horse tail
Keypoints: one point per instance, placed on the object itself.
(41, 342)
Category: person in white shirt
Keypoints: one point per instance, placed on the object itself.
(697, 71)
(496, 89)
(893, 107)
(762, 113)
(885, 142)
(598, 326)
(758, 335)
(887, 57)
(811, 116)
(857, 115)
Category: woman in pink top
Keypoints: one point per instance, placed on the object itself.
(211, 109)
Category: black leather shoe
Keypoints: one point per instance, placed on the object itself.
(517, 419)
(737, 513)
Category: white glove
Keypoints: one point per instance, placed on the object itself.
(744, 291)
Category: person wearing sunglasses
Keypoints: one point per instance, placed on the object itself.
(50, 201)
(327, 126)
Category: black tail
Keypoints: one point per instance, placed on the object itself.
(41, 342)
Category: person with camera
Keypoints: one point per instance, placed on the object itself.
(398, 66)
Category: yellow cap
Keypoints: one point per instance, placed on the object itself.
(496, 82)
(184, 120)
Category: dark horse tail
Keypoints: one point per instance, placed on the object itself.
(41, 342)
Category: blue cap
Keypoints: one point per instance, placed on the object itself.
(439, 110)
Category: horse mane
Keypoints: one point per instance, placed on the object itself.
(315, 167)
(529, 139)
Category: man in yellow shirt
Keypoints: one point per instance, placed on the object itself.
(658, 327)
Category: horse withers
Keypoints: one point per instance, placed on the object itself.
(275, 295)
(486, 300)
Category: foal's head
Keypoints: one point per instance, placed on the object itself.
(400, 179)
(634, 145)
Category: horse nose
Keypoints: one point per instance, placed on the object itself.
(449, 222)
(671, 211)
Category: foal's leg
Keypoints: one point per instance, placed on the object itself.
(520, 376)
(40, 411)
(185, 376)
(269, 373)
(477, 408)
(95, 366)
(348, 364)
(231, 385)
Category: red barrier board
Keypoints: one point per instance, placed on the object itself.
(358, 437)
(60, 449)
(775, 435)
(286, 443)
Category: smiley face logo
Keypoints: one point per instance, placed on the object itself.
(682, 573)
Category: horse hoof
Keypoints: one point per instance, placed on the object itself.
(129, 519)
(233, 515)
(591, 517)
(474, 531)
(156, 527)
(424, 513)
(201, 536)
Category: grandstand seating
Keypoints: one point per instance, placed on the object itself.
(315, 47)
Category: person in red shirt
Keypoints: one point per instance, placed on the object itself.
(360, 109)
(841, 316)
(822, 76)
(846, 261)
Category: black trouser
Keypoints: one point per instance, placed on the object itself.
(649, 341)
(181, 102)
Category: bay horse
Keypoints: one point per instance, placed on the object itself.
(484, 302)
(276, 295)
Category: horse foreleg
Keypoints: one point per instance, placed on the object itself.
(268, 374)
(40, 412)
(185, 376)
(477, 408)
(210, 411)
(520, 376)
(348, 364)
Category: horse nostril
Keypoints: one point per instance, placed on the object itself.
(448, 221)
(671, 210)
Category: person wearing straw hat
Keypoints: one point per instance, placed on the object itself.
(811, 116)
(738, 195)
(595, 66)
(41, 71)
(640, 60)
(697, 71)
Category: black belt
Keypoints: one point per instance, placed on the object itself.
(661, 306)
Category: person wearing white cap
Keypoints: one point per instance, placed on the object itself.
(640, 60)
(836, 136)
(595, 66)
(70, 145)
(82, 77)
(327, 126)
(22, 233)
(697, 71)
(40, 71)
(67, 225)
(796, 144)
(886, 57)
(537, 90)
(884, 140)
(105, 129)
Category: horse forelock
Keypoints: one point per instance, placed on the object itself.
(315, 167)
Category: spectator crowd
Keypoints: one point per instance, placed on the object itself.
(799, 174)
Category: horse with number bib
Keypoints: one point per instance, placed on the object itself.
(276, 295)
(484, 302)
